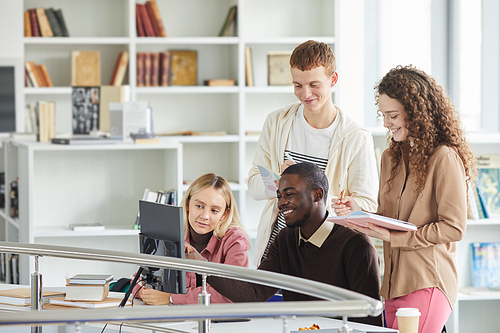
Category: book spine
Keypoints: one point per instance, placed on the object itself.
(45, 29)
(138, 21)
(31, 75)
(46, 76)
(27, 24)
(164, 68)
(152, 19)
(155, 69)
(122, 68)
(147, 69)
(54, 23)
(156, 17)
(35, 29)
(35, 74)
(40, 75)
(62, 22)
(115, 69)
(148, 26)
(140, 69)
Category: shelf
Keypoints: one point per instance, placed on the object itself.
(187, 40)
(119, 145)
(482, 297)
(200, 138)
(269, 90)
(490, 221)
(188, 90)
(49, 232)
(288, 40)
(48, 91)
(76, 40)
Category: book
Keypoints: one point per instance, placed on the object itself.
(144, 138)
(62, 22)
(85, 68)
(164, 68)
(22, 296)
(86, 226)
(45, 75)
(88, 278)
(147, 69)
(488, 183)
(482, 202)
(485, 264)
(229, 22)
(54, 23)
(183, 68)
(85, 109)
(119, 69)
(30, 68)
(155, 69)
(110, 94)
(43, 82)
(140, 82)
(270, 179)
(146, 21)
(362, 218)
(43, 22)
(480, 290)
(35, 29)
(219, 82)
(27, 24)
(109, 302)
(248, 67)
(155, 18)
(279, 72)
(84, 292)
(45, 121)
(138, 22)
(82, 141)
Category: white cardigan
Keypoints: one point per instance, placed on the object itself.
(351, 166)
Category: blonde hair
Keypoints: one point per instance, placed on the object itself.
(231, 218)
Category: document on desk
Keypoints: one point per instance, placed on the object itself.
(362, 218)
(269, 177)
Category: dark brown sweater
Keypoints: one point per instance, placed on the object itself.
(346, 259)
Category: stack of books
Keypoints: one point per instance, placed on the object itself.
(22, 296)
(88, 287)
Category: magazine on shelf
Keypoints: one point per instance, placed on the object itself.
(362, 218)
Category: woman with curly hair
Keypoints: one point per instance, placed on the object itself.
(423, 180)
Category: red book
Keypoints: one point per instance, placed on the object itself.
(140, 69)
(164, 68)
(152, 19)
(148, 27)
(27, 24)
(155, 17)
(35, 29)
(138, 21)
(147, 69)
(155, 69)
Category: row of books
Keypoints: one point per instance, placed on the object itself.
(484, 197)
(148, 20)
(485, 264)
(14, 198)
(36, 75)
(40, 119)
(164, 197)
(9, 263)
(2, 189)
(44, 22)
(175, 67)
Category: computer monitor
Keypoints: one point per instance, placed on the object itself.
(162, 234)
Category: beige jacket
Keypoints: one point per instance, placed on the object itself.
(424, 258)
(351, 166)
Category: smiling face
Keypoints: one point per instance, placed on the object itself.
(295, 200)
(206, 208)
(394, 117)
(313, 87)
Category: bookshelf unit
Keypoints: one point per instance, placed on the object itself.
(61, 185)
(235, 110)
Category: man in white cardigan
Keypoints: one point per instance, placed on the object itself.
(313, 130)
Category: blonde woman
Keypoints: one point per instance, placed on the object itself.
(213, 232)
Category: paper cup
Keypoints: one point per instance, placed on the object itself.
(408, 320)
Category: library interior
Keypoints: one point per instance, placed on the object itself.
(108, 104)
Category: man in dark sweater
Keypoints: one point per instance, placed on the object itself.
(311, 247)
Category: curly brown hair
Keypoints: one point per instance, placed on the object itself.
(431, 121)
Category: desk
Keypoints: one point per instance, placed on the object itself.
(270, 325)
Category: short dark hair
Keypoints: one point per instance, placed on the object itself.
(311, 174)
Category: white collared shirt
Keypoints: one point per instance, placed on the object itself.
(319, 236)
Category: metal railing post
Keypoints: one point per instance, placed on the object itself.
(36, 294)
(204, 299)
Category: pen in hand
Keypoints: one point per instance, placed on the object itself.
(288, 157)
(341, 196)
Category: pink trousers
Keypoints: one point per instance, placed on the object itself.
(432, 303)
